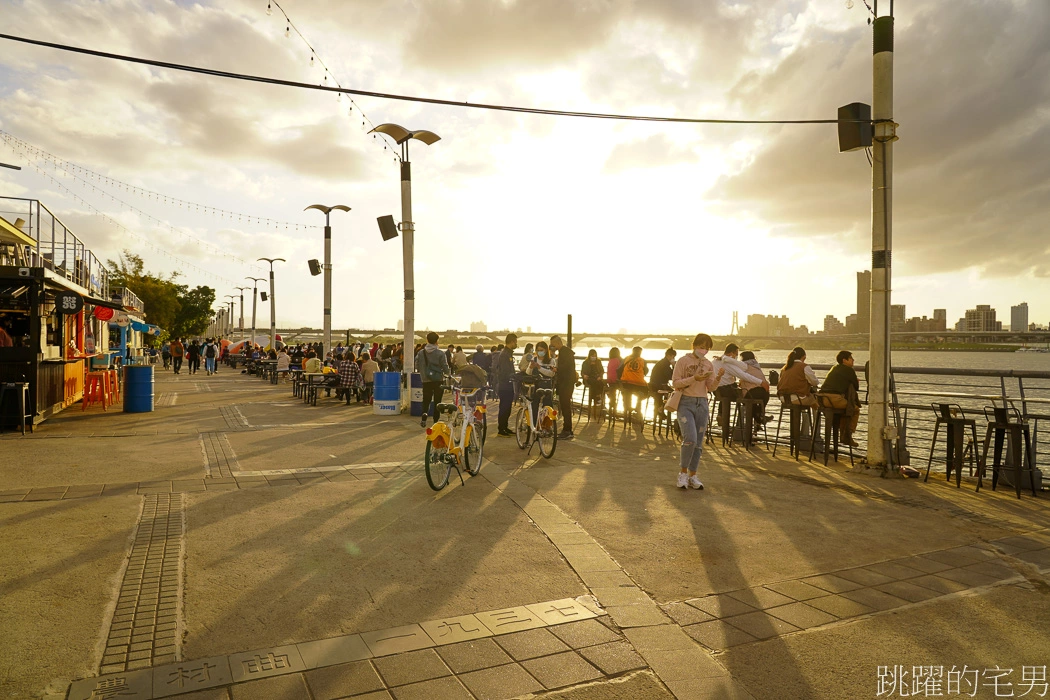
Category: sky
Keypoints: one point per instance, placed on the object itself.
(522, 219)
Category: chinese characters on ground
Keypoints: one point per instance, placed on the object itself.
(937, 681)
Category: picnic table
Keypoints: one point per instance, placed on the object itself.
(312, 381)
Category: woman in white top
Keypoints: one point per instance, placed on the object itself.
(526, 358)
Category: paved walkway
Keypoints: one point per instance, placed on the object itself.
(236, 543)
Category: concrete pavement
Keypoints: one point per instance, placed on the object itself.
(237, 543)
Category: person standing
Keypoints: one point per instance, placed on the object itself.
(433, 366)
(368, 371)
(178, 351)
(565, 382)
(165, 354)
(210, 353)
(504, 371)
(460, 359)
(193, 356)
(481, 359)
(694, 376)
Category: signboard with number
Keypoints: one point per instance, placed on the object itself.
(68, 302)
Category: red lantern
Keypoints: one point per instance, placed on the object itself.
(103, 313)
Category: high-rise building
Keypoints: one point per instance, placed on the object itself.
(762, 325)
(833, 326)
(981, 319)
(897, 317)
(479, 327)
(941, 315)
(1019, 317)
(864, 300)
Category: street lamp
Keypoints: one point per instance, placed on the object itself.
(255, 294)
(327, 269)
(273, 307)
(242, 310)
(402, 136)
(232, 300)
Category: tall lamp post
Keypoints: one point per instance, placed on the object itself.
(273, 307)
(255, 295)
(242, 310)
(328, 269)
(402, 136)
(232, 302)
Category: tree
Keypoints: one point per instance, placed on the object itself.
(195, 312)
(160, 296)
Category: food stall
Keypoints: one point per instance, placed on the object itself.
(51, 286)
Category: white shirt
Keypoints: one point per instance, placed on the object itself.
(734, 369)
(811, 376)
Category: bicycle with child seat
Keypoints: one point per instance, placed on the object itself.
(462, 441)
(537, 419)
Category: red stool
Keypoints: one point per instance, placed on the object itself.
(95, 390)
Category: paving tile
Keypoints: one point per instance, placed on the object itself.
(659, 638)
(863, 576)
(584, 634)
(136, 685)
(898, 571)
(558, 612)
(724, 688)
(761, 598)
(13, 498)
(970, 579)
(613, 658)
(397, 640)
(20, 492)
(560, 670)
(927, 566)
(451, 630)
(954, 557)
(720, 605)
(448, 688)
(337, 650)
(620, 595)
(606, 579)
(211, 694)
(838, 606)
(718, 635)
(473, 655)
(995, 569)
(411, 667)
(1038, 557)
(530, 644)
(761, 625)
(342, 680)
(262, 663)
(500, 682)
(906, 590)
(510, 620)
(642, 615)
(801, 615)
(797, 590)
(832, 583)
(684, 664)
(378, 695)
(190, 675)
(685, 614)
(877, 600)
(289, 687)
(1020, 543)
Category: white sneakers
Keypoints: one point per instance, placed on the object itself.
(683, 480)
(689, 480)
(696, 483)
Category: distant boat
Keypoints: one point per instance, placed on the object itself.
(1032, 350)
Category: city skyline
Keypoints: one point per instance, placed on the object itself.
(576, 199)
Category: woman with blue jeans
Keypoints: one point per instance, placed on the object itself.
(694, 376)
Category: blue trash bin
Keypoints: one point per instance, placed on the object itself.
(138, 388)
(416, 394)
(386, 396)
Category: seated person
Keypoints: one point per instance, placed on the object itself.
(660, 379)
(594, 378)
(632, 379)
(797, 380)
(312, 365)
(756, 387)
(841, 387)
(727, 389)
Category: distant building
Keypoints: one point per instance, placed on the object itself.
(941, 315)
(864, 300)
(853, 324)
(1019, 317)
(897, 317)
(924, 325)
(479, 327)
(762, 325)
(833, 326)
(401, 326)
(981, 319)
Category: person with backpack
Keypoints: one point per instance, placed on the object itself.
(193, 356)
(210, 353)
(432, 364)
(165, 354)
(178, 350)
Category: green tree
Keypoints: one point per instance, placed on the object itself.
(195, 312)
(160, 296)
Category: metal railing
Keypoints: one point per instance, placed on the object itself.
(57, 248)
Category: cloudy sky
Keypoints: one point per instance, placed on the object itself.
(522, 219)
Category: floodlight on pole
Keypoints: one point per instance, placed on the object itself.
(401, 137)
(273, 306)
(328, 269)
(255, 295)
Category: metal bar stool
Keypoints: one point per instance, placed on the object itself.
(19, 391)
(793, 405)
(1006, 424)
(831, 416)
(952, 416)
(746, 410)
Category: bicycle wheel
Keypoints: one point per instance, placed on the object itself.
(548, 439)
(473, 450)
(521, 428)
(437, 467)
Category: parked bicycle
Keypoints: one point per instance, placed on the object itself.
(462, 441)
(537, 419)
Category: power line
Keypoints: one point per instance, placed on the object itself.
(409, 98)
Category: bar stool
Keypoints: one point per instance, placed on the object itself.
(746, 410)
(95, 390)
(718, 406)
(112, 384)
(20, 392)
(831, 416)
(952, 416)
(1005, 423)
(793, 405)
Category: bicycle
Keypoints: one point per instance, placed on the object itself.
(462, 441)
(533, 425)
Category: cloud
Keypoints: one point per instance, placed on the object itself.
(656, 151)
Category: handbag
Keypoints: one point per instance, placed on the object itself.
(672, 401)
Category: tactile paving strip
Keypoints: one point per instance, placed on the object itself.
(220, 459)
(233, 417)
(144, 631)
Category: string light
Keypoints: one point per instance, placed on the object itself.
(269, 9)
